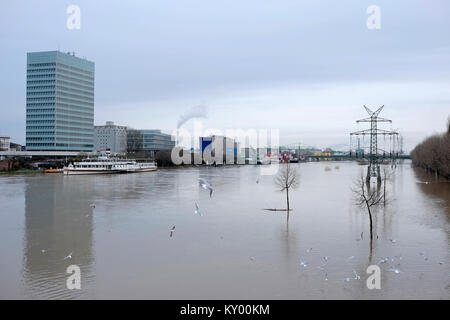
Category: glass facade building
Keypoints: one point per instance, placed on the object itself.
(155, 140)
(59, 102)
(148, 141)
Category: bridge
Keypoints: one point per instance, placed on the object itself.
(354, 156)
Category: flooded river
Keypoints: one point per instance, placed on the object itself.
(117, 228)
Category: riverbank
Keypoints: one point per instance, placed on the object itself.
(20, 172)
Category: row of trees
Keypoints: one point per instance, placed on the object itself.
(434, 153)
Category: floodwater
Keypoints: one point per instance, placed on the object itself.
(235, 249)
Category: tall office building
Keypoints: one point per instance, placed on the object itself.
(60, 102)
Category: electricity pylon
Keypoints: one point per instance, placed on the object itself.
(374, 166)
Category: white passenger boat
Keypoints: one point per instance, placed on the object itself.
(104, 165)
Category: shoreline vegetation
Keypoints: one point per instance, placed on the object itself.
(433, 154)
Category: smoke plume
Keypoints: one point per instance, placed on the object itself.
(199, 111)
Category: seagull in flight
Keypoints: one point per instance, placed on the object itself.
(206, 185)
(69, 256)
(172, 231)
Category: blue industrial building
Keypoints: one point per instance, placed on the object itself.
(60, 102)
(229, 148)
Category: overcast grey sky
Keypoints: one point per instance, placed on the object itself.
(305, 67)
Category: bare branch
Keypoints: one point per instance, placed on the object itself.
(287, 177)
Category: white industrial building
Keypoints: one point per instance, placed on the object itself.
(110, 137)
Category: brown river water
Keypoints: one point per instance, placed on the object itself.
(235, 249)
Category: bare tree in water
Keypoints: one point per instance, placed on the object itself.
(286, 179)
(367, 197)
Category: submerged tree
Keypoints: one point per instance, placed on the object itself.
(368, 197)
(287, 178)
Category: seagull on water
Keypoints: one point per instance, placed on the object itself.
(197, 210)
(172, 231)
(423, 256)
(384, 260)
(69, 256)
(206, 185)
(394, 270)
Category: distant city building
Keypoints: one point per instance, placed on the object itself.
(308, 151)
(150, 141)
(249, 154)
(230, 148)
(16, 147)
(60, 102)
(110, 137)
(5, 143)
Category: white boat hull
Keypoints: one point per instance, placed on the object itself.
(78, 172)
